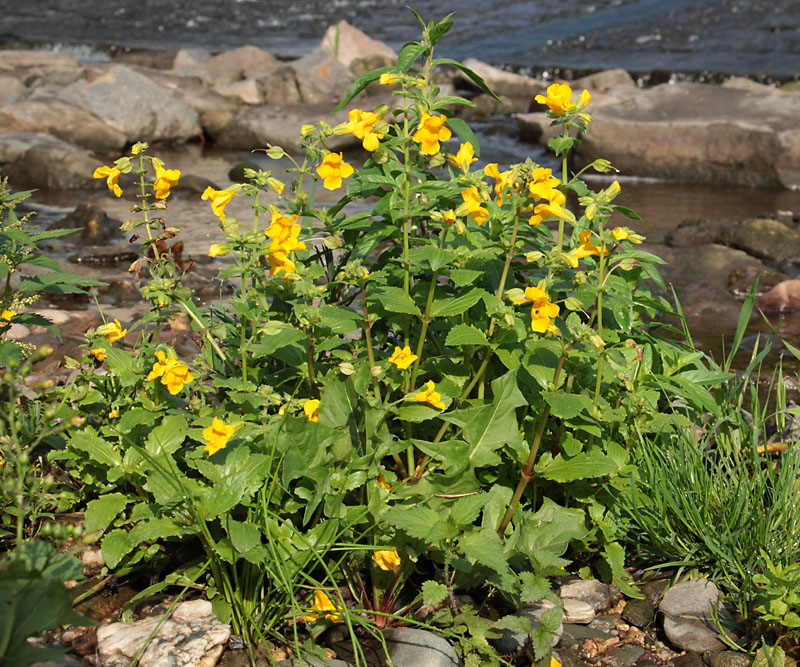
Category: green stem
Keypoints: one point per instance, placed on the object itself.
(312, 381)
(600, 289)
(564, 134)
(367, 329)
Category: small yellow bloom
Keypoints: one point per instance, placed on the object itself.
(505, 180)
(219, 200)
(276, 185)
(402, 357)
(362, 124)
(113, 414)
(620, 233)
(585, 249)
(321, 603)
(386, 559)
(306, 129)
(174, 374)
(332, 170)
(464, 158)
(554, 662)
(6, 315)
(383, 483)
(98, 353)
(430, 396)
(113, 331)
(136, 148)
(430, 132)
(217, 250)
(472, 205)
(388, 79)
(311, 408)
(217, 435)
(542, 312)
(449, 217)
(111, 174)
(165, 179)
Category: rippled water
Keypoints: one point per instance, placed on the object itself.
(749, 37)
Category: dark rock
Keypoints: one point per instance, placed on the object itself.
(606, 622)
(690, 659)
(149, 58)
(584, 632)
(105, 256)
(196, 184)
(96, 226)
(763, 238)
(236, 173)
(625, 657)
(52, 164)
(690, 609)
(653, 590)
(740, 282)
(728, 659)
(570, 656)
(640, 613)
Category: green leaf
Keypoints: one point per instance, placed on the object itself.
(550, 529)
(421, 523)
(360, 83)
(244, 536)
(98, 449)
(515, 624)
(561, 144)
(476, 78)
(123, 365)
(456, 305)
(484, 548)
(409, 54)
(465, 511)
(433, 592)
(435, 257)
(339, 320)
(567, 406)
(581, 466)
(627, 212)
(464, 277)
(167, 437)
(395, 300)
(463, 130)
(101, 512)
(466, 334)
(130, 419)
(533, 588)
(58, 282)
(417, 412)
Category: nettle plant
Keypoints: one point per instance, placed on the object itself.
(435, 387)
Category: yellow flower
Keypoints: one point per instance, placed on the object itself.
(332, 170)
(449, 217)
(165, 179)
(219, 200)
(464, 158)
(554, 662)
(386, 559)
(505, 179)
(362, 124)
(276, 185)
(383, 483)
(217, 250)
(559, 98)
(472, 205)
(542, 312)
(174, 374)
(217, 435)
(113, 414)
(98, 353)
(543, 184)
(620, 233)
(402, 357)
(311, 408)
(430, 396)
(6, 315)
(111, 174)
(321, 603)
(113, 331)
(430, 132)
(388, 79)
(583, 250)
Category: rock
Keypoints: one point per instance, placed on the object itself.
(10, 88)
(92, 559)
(729, 659)
(517, 89)
(689, 610)
(594, 592)
(582, 632)
(17, 331)
(52, 164)
(241, 63)
(279, 87)
(96, 227)
(624, 657)
(763, 238)
(246, 90)
(606, 622)
(690, 659)
(37, 60)
(321, 78)
(410, 647)
(653, 590)
(347, 44)
(257, 126)
(106, 256)
(700, 133)
(135, 105)
(605, 81)
(62, 119)
(192, 636)
(782, 298)
(190, 59)
(742, 83)
(640, 613)
(312, 662)
(535, 127)
(14, 144)
(577, 611)
(708, 263)
(514, 642)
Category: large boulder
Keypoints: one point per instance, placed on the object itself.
(700, 133)
(347, 45)
(516, 90)
(241, 63)
(62, 119)
(321, 78)
(135, 105)
(48, 163)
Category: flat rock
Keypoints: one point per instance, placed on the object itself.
(11, 87)
(192, 636)
(50, 164)
(577, 611)
(729, 659)
(594, 592)
(11, 59)
(640, 613)
(518, 90)
(321, 78)
(411, 647)
(700, 133)
(135, 105)
(62, 119)
(689, 610)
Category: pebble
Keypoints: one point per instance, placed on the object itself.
(640, 613)
(593, 592)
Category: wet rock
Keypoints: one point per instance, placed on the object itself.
(192, 636)
(689, 610)
(653, 590)
(410, 647)
(133, 104)
(236, 173)
(700, 133)
(763, 238)
(729, 659)
(640, 613)
(595, 593)
(708, 263)
(62, 119)
(690, 659)
(95, 225)
(782, 298)
(740, 282)
(192, 183)
(577, 611)
(257, 126)
(238, 64)
(606, 622)
(516, 89)
(50, 164)
(624, 657)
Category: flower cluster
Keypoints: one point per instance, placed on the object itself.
(284, 232)
(174, 374)
(362, 125)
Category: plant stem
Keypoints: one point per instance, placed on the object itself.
(367, 329)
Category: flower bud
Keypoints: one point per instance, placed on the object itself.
(43, 352)
(346, 368)
(603, 166)
(389, 78)
(533, 256)
(77, 421)
(585, 118)
(380, 156)
(276, 152)
(573, 303)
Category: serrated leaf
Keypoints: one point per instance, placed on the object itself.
(435, 257)
(102, 511)
(465, 511)
(515, 624)
(419, 522)
(484, 548)
(395, 300)
(433, 592)
(584, 465)
(456, 305)
(466, 334)
(98, 449)
(533, 588)
(567, 406)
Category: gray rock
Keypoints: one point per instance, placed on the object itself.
(52, 164)
(653, 590)
(313, 662)
(763, 238)
(62, 119)
(729, 659)
(606, 622)
(594, 592)
(135, 105)
(689, 610)
(625, 657)
(410, 647)
(518, 90)
(699, 133)
(690, 659)
(582, 632)
(192, 636)
(605, 81)
(190, 59)
(321, 78)
(279, 87)
(347, 44)
(96, 226)
(577, 611)
(246, 90)
(640, 613)
(11, 87)
(238, 64)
